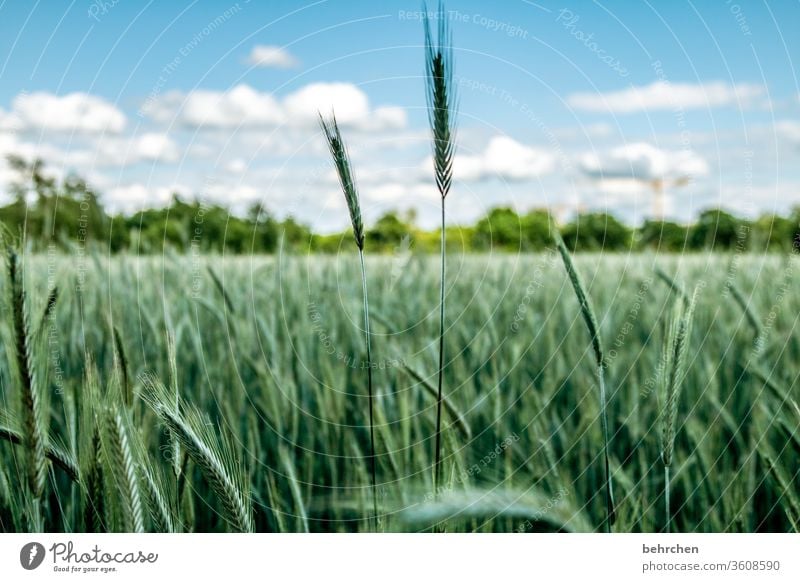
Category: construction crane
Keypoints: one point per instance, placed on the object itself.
(658, 186)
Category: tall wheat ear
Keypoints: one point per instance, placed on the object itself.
(32, 398)
(442, 110)
(341, 161)
(674, 365)
(590, 319)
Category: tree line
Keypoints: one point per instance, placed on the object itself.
(67, 213)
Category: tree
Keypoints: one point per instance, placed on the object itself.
(295, 235)
(387, 233)
(663, 235)
(501, 228)
(772, 232)
(718, 230)
(596, 231)
(536, 227)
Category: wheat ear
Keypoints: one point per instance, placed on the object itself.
(214, 456)
(674, 364)
(119, 452)
(33, 415)
(341, 161)
(441, 99)
(590, 320)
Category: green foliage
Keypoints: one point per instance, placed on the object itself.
(596, 231)
(663, 236)
(501, 228)
(536, 226)
(772, 232)
(593, 327)
(69, 215)
(388, 232)
(282, 417)
(214, 456)
(719, 230)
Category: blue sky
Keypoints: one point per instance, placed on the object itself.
(572, 105)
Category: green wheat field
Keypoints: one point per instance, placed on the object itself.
(197, 393)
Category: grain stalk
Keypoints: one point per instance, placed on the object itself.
(590, 320)
(118, 450)
(213, 455)
(48, 313)
(674, 364)
(94, 510)
(121, 365)
(55, 454)
(174, 387)
(341, 161)
(91, 455)
(752, 366)
(673, 285)
(34, 431)
(456, 417)
(752, 319)
(441, 99)
(221, 288)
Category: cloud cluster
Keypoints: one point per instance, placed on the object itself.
(503, 158)
(665, 96)
(108, 151)
(126, 151)
(10, 144)
(642, 162)
(270, 56)
(789, 130)
(245, 107)
(131, 198)
(74, 112)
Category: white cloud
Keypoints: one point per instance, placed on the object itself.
(392, 194)
(236, 166)
(270, 56)
(789, 130)
(8, 145)
(503, 158)
(662, 95)
(8, 122)
(154, 147)
(131, 198)
(243, 106)
(348, 102)
(387, 118)
(74, 112)
(642, 162)
(236, 196)
(11, 144)
(116, 151)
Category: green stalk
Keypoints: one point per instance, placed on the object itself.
(666, 498)
(590, 320)
(341, 161)
(35, 436)
(439, 396)
(370, 393)
(674, 360)
(610, 511)
(441, 117)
